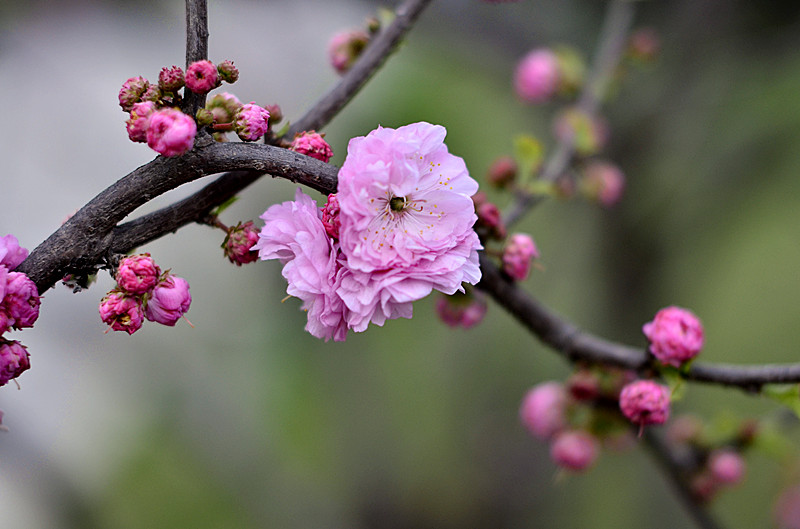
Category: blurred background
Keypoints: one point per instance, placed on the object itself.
(247, 421)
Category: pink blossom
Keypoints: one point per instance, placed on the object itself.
(675, 334)
(490, 221)
(536, 76)
(252, 122)
(603, 182)
(239, 242)
(294, 233)
(137, 274)
(345, 47)
(132, 91)
(20, 305)
(14, 360)
(574, 450)
(171, 79)
(171, 132)
(462, 310)
(518, 254)
(139, 121)
(312, 144)
(543, 410)
(726, 466)
(168, 301)
(201, 77)
(122, 311)
(502, 172)
(645, 402)
(330, 216)
(11, 253)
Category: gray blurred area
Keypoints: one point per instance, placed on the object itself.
(247, 421)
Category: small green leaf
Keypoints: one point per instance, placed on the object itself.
(216, 212)
(675, 381)
(529, 154)
(281, 133)
(786, 394)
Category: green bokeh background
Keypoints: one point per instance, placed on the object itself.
(250, 422)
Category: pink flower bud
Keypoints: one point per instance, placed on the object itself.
(536, 76)
(462, 310)
(238, 243)
(131, 92)
(275, 114)
(644, 402)
(675, 334)
(345, 47)
(14, 360)
(584, 385)
(153, 94)
(228, 72)
(312, 144)
(726, 466)
(704, 487)
(201, 77)
(252, 122)
(171, 79)
(502, 172)
(787, 509)
(11, 253)
(330, 216)
(684, 429)
(122, 311)
(168, 301)
(574, 450)
(518, 254)
(21, 302)
(224, 108)
(603, 182)
(490, 221)
(139, 121)
(543, 410)
(171, 132)
(137, 274)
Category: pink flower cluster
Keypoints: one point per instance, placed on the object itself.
(156, 120)
(675, 334)
(19, 308)
(405, 228)
(544, 413)
(144, 292)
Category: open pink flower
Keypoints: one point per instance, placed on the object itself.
(295, 234)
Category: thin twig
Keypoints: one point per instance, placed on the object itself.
(671, 467)
(610, 47)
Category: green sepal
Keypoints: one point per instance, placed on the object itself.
(675, 381)
(529, 154)
(281, 133)
(786, 394)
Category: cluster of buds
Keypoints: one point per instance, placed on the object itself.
(19, 308)
(144, 292)
(154, 117)
(576, 417)
(712, 462)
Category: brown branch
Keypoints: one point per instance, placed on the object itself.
(610, 47)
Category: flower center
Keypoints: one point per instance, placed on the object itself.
(397, 203)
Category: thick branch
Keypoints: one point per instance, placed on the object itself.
(196, 49)
(86, 238)
(610, 47)
(576, 345)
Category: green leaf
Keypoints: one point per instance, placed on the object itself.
(675, 381)
(529, 154)
(786, 394)
(281, 133)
